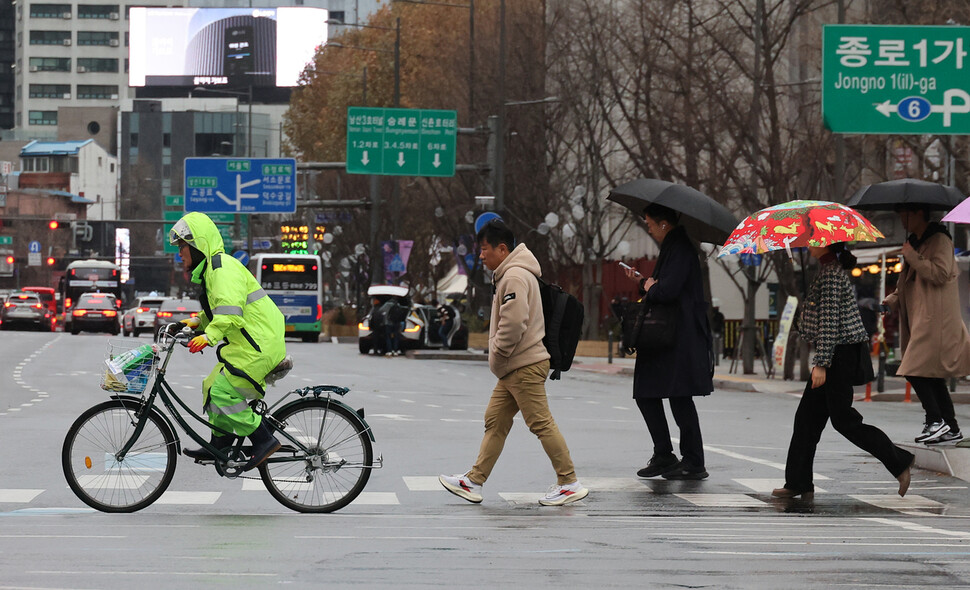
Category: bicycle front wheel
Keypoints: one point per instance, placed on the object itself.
(334, 469)
(99, 477)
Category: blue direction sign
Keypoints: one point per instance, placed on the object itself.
(33, 247)
(240, 185)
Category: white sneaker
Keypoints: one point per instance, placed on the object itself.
(564, 494)
(462, 487)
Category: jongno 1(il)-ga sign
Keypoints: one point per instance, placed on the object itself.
(886, 79)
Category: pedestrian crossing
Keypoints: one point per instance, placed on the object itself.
(753, 495)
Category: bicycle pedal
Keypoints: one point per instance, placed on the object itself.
(205, 461)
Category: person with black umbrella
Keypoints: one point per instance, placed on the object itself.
(684, 370)
(933, 338)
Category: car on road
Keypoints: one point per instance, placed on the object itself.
(95, 312)
(174, 310)
(25, 310)
(420, 327)
(140, 317)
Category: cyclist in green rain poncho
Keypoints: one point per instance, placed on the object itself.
(246, 328)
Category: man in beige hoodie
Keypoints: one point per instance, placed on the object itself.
(518, 358)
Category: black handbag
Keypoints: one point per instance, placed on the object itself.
(863, 373)
(650, 326)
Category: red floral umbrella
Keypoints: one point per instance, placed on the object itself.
(798, 224)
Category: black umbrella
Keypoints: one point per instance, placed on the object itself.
(885, 196)
(705, 219)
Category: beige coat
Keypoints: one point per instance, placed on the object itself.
(516, 328)
(932, 335)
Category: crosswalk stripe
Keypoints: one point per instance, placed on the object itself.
(722, 500)
(172, 497)
(894, 502)
(14, 495)
(423, 483)
(615, 484)
(764, 486)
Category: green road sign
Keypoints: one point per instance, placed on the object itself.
(175, 201)
(401, 142)
(6, 240)
(883, 79)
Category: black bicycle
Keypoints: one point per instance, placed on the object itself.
(120, 455)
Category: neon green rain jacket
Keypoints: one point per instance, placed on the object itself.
(237, 314)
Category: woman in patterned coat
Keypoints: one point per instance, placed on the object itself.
(830, 321)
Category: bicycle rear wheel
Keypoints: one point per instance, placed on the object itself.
(98, 477)
(335, 469)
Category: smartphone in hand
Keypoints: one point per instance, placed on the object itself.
(628, 267)
(883, 308)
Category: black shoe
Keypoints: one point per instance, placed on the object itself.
(686, 472)
(659, 465)
(219, 442)
(947, 437)
(264, 445)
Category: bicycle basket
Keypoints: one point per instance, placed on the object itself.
(128, 366)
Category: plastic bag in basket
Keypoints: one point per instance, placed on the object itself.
(131, 364)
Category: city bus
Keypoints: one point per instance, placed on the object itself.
(295, 283)
(88, 276)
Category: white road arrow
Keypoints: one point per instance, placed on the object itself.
(400, 158)
(364, 159)
(437, 160)
(885, 108)
(240, 195)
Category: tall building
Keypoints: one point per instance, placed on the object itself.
(8, 32)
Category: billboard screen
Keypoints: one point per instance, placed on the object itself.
(223, 46)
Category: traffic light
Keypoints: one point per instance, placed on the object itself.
(10, 259)
(54, 224)
(50, 261)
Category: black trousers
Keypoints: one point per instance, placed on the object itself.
(685, 415)
(935, 398)
(833, 400)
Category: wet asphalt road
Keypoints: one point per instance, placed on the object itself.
(405, 531)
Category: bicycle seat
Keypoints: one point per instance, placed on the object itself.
(280, 371)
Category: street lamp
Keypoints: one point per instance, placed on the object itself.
(375, 218)
(249, 149)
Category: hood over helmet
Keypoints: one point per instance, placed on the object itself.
(200, 233)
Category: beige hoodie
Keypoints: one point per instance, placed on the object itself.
(516, 329)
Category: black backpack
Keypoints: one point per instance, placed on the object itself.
(563, 315)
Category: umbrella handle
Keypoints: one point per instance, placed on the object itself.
(788, 242)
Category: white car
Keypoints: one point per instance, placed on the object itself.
(141, 316)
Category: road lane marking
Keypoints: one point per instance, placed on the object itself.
(922, 528)
(742, 457)
(163, 572)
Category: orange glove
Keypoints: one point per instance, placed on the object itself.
(198, 343)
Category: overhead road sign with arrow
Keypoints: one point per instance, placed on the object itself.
(240, 185)
(401, 142)
(887, 79)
